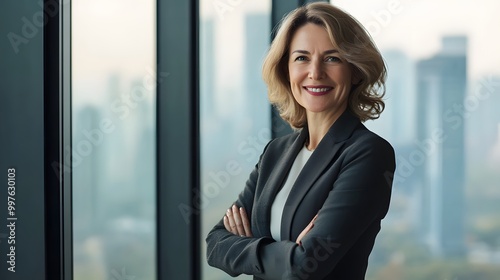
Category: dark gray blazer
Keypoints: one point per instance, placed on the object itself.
(347, 181)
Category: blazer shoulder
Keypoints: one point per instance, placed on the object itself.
(363, 138)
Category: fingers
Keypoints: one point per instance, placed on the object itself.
(226, 223)
(306, 230)
(314, 219)
(246, 222)
(236, 221)
(311, 224)
(231, 221)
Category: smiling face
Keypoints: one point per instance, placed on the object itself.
(320, 78)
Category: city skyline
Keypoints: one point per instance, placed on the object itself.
(231, 117)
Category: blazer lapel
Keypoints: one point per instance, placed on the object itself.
(276, 181)
(320, 159)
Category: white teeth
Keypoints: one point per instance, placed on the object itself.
(318, 89)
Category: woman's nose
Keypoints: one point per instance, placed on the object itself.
(316, 70)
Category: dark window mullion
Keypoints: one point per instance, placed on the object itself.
(177, 139)
(57, 141)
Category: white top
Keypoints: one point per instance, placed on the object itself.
(281, 197)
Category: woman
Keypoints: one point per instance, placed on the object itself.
(313, 204)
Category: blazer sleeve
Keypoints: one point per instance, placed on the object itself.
(360, 196)
(231, 253)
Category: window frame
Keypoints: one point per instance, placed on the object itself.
(177, 139)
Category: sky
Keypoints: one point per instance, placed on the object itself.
(110, 37)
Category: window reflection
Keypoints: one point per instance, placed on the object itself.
(113, 58)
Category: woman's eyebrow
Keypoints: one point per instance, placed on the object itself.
(331, 51)
(306, 52)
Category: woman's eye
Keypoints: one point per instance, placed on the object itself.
(333, 59)
(300, 58)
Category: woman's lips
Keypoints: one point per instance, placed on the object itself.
(318, 90)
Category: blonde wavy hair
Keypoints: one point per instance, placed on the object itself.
(354, 44)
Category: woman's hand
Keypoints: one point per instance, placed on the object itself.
(306, 230)
(236, 221)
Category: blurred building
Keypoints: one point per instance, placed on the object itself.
(495, 154)
(482, 122)
(86, 167)
(397, 122)
(441, 87)
(117, 178)
(143, 151)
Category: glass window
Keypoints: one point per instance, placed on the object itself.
(113, 89)
(441, 116)
(235, 113)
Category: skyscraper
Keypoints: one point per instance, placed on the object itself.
(400, 97)
(86, 174)
(441, 86)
